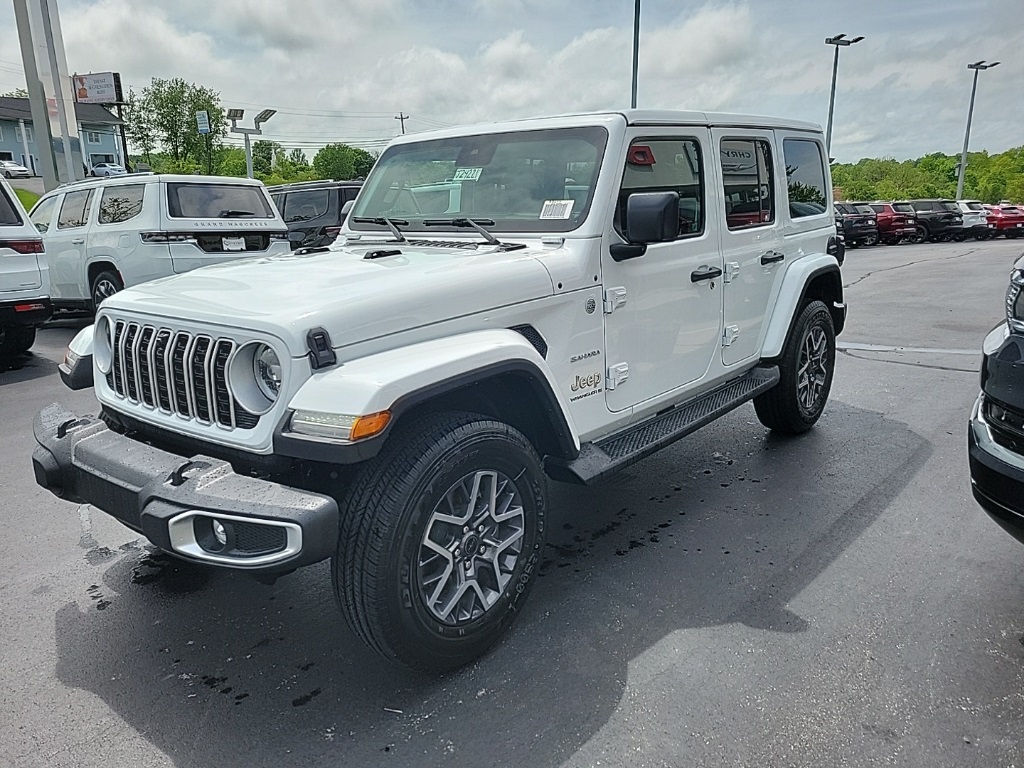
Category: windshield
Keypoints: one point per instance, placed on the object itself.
(527, 181)
(217, 201)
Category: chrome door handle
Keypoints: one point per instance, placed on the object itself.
(770, 257)
(78, 241)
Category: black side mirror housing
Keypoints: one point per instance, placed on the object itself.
(651, 217)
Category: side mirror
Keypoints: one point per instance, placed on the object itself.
(346, 207)
(651, 217)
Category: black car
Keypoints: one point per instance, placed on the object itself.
(315, 209)
(995, 436)
(938, 220)
(859, 224)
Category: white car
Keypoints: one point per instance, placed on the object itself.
(12, 170)
(549, 298)
(976, 223)
(102, 235)
(24, 278)
(107, 169)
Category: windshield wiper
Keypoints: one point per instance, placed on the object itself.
(384, 221)
(474, 223)
(233, 214)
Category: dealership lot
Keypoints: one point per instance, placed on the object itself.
(736, 599)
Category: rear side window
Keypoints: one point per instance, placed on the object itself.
(747, 172)
(666, 165)
(217, 201)
(42, 214)
(9, 216)
(307, 205)
(903, 207)
(121, 203)
(805, 176)
(75, 209)
(878, 208)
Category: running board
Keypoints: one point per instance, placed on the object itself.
(610, 454)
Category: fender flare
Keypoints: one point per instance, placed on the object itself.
(77, 373)
(400, 379)
(791, 296)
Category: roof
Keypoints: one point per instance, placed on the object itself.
(13, 108)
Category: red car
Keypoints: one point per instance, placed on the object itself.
(1009, 219)
(896, 222)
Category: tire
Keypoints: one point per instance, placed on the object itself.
(870, 240)
(104, 285)
(920, 234)
(398, 592)
(8, 174)
(807, 365)
(15, 341)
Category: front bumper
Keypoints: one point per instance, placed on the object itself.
(197, 508)
(997, 475)
(25, 312)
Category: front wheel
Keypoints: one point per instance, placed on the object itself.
(440, 540)
(807, 364)
(105, 285)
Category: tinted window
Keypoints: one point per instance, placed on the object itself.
(903, 207)
(349, 193)
(878, 208)
(747, 173)
(75, 209)
(9, 215)
(805, 176)
(864, 209)
(306, 205)
(951, 206)
(121, 203)
(213, 201)
(975, 206)
(42, 214)
(278, 202)
(666, 165)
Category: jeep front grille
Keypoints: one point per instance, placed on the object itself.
(176, 372)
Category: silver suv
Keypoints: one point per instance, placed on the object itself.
(24, 278)
(103, 235)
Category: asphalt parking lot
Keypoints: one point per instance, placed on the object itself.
(737, 599)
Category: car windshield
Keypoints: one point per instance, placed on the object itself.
(217, 201)
(525, 181)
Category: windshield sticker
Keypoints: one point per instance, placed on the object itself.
(467, 174)
(556, 209)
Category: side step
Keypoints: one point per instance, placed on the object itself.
(610, 454)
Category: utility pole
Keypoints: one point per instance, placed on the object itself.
(977, 67)
(839, 41)
(402, 118)
(636, 50)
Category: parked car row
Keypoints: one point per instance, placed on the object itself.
(926, 220)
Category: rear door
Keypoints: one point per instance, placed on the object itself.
(751, 234)
(66, 246)
(19, 245)
(207, 222)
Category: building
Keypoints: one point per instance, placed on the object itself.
(98, 128)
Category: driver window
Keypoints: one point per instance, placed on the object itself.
(665, 165)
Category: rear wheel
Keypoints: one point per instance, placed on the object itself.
(14, 341)
(807, 364)
(920, 234)
(440, 540)
(871, 240)
(105, 285)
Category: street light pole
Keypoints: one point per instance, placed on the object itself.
(977, 67)
(636, 50)
(234, 115)
(839, 41)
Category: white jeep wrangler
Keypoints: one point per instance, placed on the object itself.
(556, 297)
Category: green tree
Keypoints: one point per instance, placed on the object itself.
(340, 161)
(138, 125)
(17, 93)
(264, 156)
(166, 112)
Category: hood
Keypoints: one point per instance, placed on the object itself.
(354, 298)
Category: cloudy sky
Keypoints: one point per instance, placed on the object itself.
(340, 70)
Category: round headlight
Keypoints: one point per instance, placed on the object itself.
(267, 367)
(102, 345)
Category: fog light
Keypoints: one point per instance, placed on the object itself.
(220, 532)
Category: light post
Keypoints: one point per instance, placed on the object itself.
(234, 115)
(636, 50)
(977, 67)
(839, 41)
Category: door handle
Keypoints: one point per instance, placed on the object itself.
(78, 241)
(770, 257)
(705, 273)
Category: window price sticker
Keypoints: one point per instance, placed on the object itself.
(556, 209)
(467, 174)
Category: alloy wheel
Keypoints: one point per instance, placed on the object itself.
(813, 369)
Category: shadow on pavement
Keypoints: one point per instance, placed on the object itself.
(25, 367)
(729, 526)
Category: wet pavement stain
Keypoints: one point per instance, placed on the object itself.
(170, 573)
(304, 700)
(94, 593)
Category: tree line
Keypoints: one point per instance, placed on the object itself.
(989, 178)
(160, 123)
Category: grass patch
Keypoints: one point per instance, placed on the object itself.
(28, 199)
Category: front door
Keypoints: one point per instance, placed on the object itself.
(663, 309)
(752, 243)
